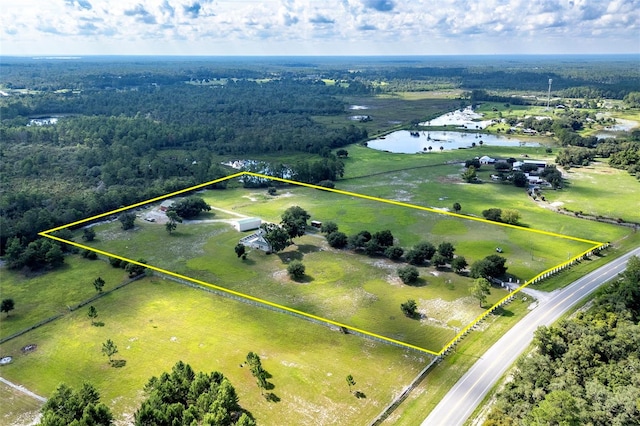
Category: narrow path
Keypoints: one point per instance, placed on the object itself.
(22, 389)
(470, 390)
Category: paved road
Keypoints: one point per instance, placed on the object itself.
(456, 407)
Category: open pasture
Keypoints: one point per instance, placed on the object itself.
(44, 295)
(156, 322)
(433, 180)
(352, 289)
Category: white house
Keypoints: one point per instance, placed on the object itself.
(248, 224)
(485, 159)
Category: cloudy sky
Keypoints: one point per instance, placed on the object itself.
(317, 27)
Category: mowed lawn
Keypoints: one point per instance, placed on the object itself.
(156, 322)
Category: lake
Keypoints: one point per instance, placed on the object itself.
(406, 142)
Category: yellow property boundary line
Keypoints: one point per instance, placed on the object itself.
(596, 246)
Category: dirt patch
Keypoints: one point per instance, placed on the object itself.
(442, 312)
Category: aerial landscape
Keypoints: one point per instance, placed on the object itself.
(358, 212)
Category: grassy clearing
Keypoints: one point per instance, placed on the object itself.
(432, 389)
(44, 295)
(17, 408)
(155, 323)
(389, 111)
(599, 190)
(427, 180)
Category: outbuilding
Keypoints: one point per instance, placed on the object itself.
(248, 224)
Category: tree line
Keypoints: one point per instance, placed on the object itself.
(583, 370)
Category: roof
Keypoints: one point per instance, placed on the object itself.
(248, 220)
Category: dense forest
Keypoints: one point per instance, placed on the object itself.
(129, 129)
(584, 370)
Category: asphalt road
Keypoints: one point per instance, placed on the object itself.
(456, 407)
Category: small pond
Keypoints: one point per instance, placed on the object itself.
(406, 142)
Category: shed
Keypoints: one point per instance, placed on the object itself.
(248, 224)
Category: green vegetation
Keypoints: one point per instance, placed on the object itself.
(67, 406)
(582, 370)
(112, 148)
(156, 322)
(42, 296)
(186, 397)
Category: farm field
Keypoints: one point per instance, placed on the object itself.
(352, 289)
(47, 294)
(156, 322)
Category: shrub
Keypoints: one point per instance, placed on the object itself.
(408, 274)
(296, 270)
(337, 239)
(409, 308)
(394, 252)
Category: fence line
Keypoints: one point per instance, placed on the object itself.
(70, 308)
(386, 412)
(343, 330)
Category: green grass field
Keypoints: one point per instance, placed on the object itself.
(17, 408)
(348, 288)
(585, 192)
(44, 295)
(157, 322)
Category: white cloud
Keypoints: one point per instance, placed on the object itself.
(327, 27)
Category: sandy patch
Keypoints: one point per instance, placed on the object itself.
(440, 312)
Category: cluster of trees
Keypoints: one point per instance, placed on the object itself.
(185, 397)
(382, 243)
(292, 225)
(584, 370)
(67, 406)
(189, 207)
(510, 216)
(133, 269)
(38, 254)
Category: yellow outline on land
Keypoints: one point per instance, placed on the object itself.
(596, 246)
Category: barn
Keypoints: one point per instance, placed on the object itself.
(248, 224)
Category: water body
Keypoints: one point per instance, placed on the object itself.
(621, 125)
(462, 118)
(406, 142)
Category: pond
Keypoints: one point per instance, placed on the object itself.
(621, 125)
(406, 142)
(462, 118)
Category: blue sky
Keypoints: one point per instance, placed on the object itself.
(322, 27)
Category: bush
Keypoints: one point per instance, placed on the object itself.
(337, 239)
(394, 252)
(409, 308)
(328, 227)
(408, 274)
(296, 270)
(459, 263)
(327, 184)
(492, 214)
